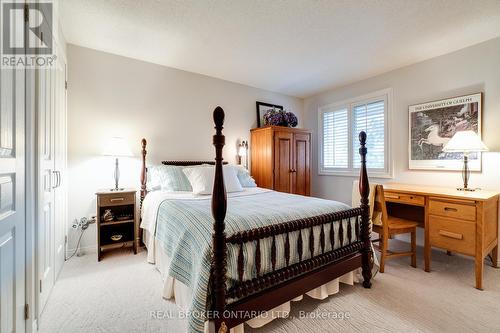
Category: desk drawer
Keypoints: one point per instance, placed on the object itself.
(116, 199)
(452, 235)
(409, 199)
(454, 209)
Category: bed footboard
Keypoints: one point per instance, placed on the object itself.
(270, 289)
(317, 257)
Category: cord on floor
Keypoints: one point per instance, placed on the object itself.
(77, 246)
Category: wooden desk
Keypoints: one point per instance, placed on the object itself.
(463, 222)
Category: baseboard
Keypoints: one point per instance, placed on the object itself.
(86, 250)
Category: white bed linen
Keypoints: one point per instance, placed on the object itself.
(174, 289)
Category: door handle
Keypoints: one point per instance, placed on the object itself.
(54, 172)
(57, 174)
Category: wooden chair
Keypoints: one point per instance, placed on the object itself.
(389, 227)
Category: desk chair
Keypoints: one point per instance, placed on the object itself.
(390, 226)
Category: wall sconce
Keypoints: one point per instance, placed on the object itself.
(243, 152)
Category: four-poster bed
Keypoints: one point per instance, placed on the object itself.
(323, 252)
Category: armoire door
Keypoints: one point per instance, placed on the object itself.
(12, 200)
(283, 161)
(45, 183)
(301, 167)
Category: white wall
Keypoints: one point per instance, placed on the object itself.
(470, 70)
(109, 95)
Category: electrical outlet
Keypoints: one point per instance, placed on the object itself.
(84, 222)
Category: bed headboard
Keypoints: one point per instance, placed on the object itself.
(144, 168)
(187, 163)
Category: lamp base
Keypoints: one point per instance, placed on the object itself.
(117, 189)
(466, 189)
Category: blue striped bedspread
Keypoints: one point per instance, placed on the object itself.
(184, 230)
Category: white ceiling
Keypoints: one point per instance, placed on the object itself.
(296, 47)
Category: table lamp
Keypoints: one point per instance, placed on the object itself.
(465, 142)
(117, 147)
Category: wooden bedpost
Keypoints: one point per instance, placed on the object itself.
(364, 191)
(219, 206)
(143, 170)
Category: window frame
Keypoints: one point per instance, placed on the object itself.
(349, 104)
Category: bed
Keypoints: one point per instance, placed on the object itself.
(239, 255)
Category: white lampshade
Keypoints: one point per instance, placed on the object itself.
(465, 142)
(117, 147)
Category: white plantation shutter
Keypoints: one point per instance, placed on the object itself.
(370, 117)
(339, 126)
(335, 139)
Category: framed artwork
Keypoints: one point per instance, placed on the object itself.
(262, 108)
(433, 124)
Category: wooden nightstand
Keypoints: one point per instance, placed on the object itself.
(116, 216)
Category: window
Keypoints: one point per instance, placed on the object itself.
(339, 127)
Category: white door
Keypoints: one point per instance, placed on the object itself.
(45, 183)
(12, 200)
(60, 200)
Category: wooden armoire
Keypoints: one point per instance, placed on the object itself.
(281, 159)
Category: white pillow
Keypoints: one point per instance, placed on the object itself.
(202, 179)
(244, 176)
(167, 178)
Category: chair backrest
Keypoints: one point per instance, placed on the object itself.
(380, 206)
(375, 217)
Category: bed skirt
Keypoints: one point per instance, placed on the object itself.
(182, 295)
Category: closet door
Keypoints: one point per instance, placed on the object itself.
(59, 173)
(301, 169)
(45, 184)
(283, 161)
(12, 199)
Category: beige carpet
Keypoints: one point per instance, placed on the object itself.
(120, 293)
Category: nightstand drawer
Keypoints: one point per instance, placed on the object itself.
(452, 235)
(410, 199)
(116, 199)
(454, 209)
